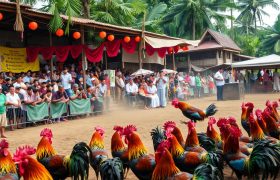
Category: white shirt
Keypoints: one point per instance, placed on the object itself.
(219, 79)
(65, 80)
(152, 90)
(12, 99)
(192, 82)
(27, 79)
(161, 84)
(131, 88)
(103, 89)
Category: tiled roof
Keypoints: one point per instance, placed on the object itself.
(205, 46)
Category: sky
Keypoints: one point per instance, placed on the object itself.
(268, 20)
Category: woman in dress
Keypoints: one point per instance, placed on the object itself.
(152, 94)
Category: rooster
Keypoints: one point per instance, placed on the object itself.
(118, 148)
(272, 106)
(76, 165)
(8, 169)
(112, 169)
(261, 121)
(99, 154)
(194, 113)
(263, 159)
(247, 109)
(175, 131)
(30, 168)
(141, 163)
(271, 124)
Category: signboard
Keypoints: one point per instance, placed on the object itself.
(14, 60)
(111, 74)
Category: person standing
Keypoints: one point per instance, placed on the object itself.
(161, 89)
(119, 87)
(13, 106)
(192, 84)
(220, 82)
(3, 119)
(198, 85)
(66, 80)
(131, 92)
(276, 83)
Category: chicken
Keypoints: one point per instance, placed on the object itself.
(141, 163)
(30, 168)
(247, 109)
(261, 121)
(263, 159)
(60, 166)
(118, 148)
(112, 169)
(272, 106)
(194, 113)
(176, 131)
(271, 124)
(99, 154)
(188, 161)
(8, 169)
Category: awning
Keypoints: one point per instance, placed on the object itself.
(163, 42)
(271, 61)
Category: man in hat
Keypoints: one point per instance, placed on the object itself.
(3, 119)
(131, 92)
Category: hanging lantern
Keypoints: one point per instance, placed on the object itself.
(102, 34)
(33, 25)
(76, 35)
(176, 49)
(1, 16)
(185, 48)
(59, 32)
(126, 39)
(111, 37)
(170, 50)
(137, 39)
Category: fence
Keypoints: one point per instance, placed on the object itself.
(47, 111)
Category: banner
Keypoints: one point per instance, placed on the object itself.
(111, 74)
(38, 112)
(80, 106)
(15, 60)
(58, 109)
(133, 58)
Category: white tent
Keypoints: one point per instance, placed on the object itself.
(142, 72)
(271, 61)
(169, 71)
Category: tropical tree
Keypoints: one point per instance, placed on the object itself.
(252, 11)
(272, 41)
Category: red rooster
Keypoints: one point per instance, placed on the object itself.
(212, 133)
(175, 131)
(141, 163)
(247, 109)
(263, 159)
(8, 169)
(194, 113)
(118, 148)
(30, 168)
(99, 154)
(272, 106)
(271, 124)
(261, 121)
(60, 166)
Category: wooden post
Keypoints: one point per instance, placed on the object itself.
(189, 63)
(106, 60)
(139, 56)
(173, 61)
(51, 43)
(83, 57)
(165, 62)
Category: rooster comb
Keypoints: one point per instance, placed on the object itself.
(118, 128)
(258, 112)
(221, 122)
(169, 124)
(4, 144)
(249, 104)
(99, 128)
(164, 144)
(235, 131)
(175, 102)
(275, 104)
(46, 132)
(129, 129)
(212, 121)
(268, 103)
(23, 151)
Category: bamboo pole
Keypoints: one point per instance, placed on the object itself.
(142, 45)
(83, 57)
(173, 61)
(51, 43)
(106, 60)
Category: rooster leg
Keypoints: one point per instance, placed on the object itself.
(97, 174)
(126, 173)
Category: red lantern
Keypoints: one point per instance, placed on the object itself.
(59, 32)
(176, 49)
(76, 35)
(111, 37)
(1, 16)
(185, 48)
(102, 34)
(137, 39)
(170, 50)
(126, 39)
(33, 25)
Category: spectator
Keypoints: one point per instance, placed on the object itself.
(47, 97)
(142, 95)
(266, 80)
(119, 87)
(56, 76)
(152, 93)
(179, 93)
(103, 92)
(192, 82)
(76, 93)
(6, 85)
(3, 119)
(66, 80)
(131, 92)
(276, 83)
(43, 89)
(198, 85)
(19, 83)
(60, 96)
(13, 107)
(29, 99)
(211, 84)
(161, 89)
(219, 84)
(27, 78)
(226, 76)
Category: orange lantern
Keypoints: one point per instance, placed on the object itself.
(176, 48)
(59, 32)
(126, 39)
(111, 37)
(185, 48)
(33, 25)
(1, 16)
(170, 50)
(137, 39)
(102, 34)
(76, 35)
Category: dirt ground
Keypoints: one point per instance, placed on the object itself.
(66, 134)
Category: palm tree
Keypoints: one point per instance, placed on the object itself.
(191, 16)
(252, 11)
(272, 41)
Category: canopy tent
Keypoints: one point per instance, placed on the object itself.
(169, 71)
(142, 72)
(163, 42)
(270, 61)
(213, 68)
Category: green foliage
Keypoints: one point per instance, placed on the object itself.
(248, 43)
(272, 40)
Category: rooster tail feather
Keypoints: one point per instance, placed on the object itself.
(206, 171)
(79, 161)
(211, 110)
(216, 159)
(112, 169)
(206, 142)
(265, 158)
(158, 136)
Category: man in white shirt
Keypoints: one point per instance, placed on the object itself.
(27, 78)
(131, 92)
(66, 80)
(220, 82)
(13, 107)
